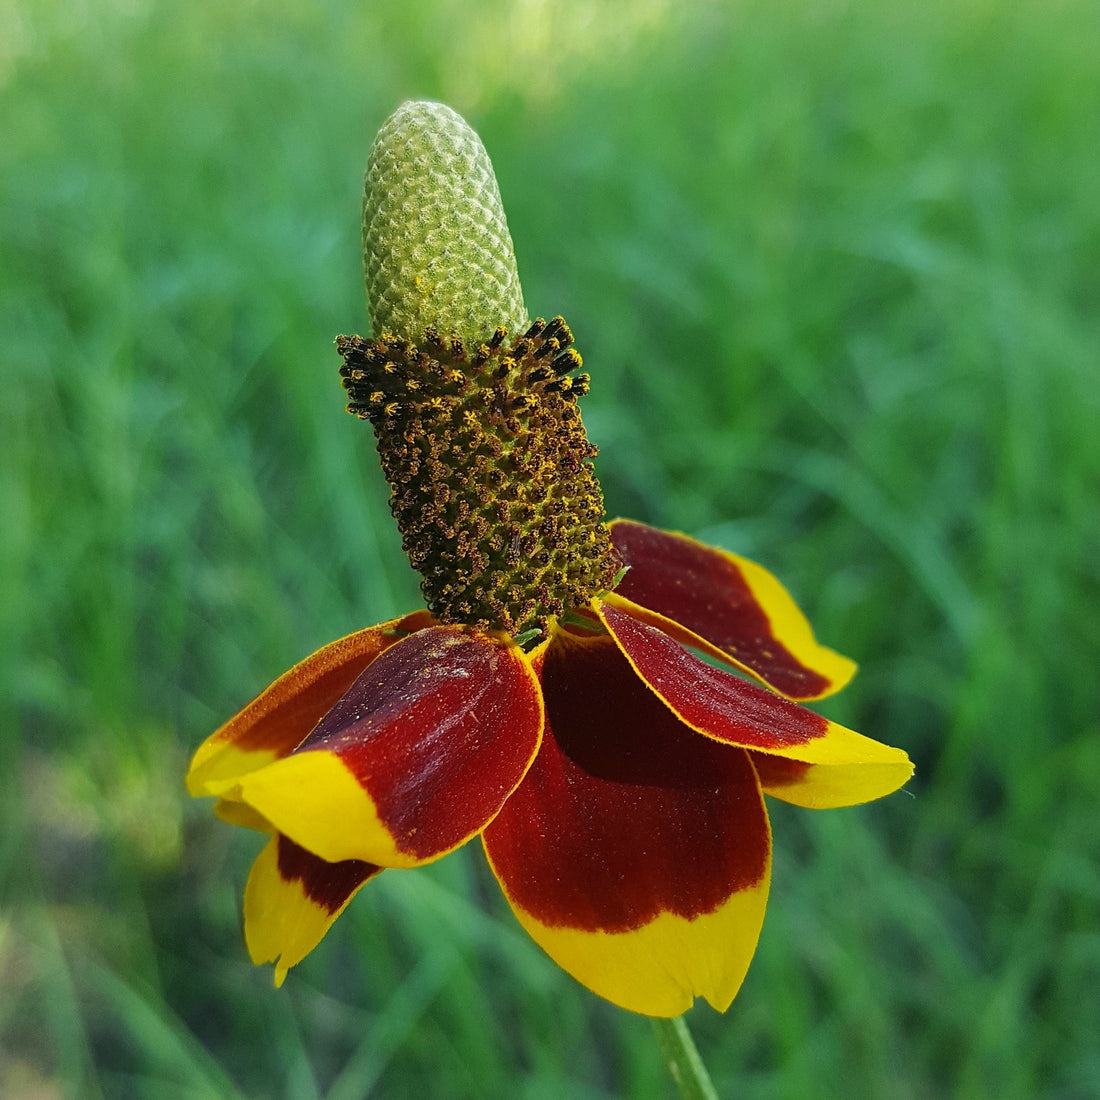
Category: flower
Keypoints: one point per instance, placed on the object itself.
(604, 704)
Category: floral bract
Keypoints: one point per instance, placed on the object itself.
(604, 704)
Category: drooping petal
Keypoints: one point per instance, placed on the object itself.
(418, 755)
(635, 853)
(735, 606)
(280, 717)
(849, 768)
(291, 900)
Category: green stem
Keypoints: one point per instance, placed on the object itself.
(683, 1061)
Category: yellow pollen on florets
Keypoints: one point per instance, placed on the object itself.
(490, 469)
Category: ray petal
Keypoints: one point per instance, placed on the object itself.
(281, 716)
(736, 607)
(416, 757)
(849, 768)
(635, 853)
(292, 899)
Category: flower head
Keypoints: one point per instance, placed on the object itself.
(605, 704)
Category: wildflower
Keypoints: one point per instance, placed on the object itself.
(604, 704)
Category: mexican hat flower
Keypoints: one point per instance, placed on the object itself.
(605, 705)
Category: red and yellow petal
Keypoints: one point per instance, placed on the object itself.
(635, 853)
(281, 716)
(848, 768)
(736, 607)
(291, 900)
(417, 756)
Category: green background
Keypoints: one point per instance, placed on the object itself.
(834, 268)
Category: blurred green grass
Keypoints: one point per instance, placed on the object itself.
(834, 268)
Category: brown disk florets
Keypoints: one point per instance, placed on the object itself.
(493, 486)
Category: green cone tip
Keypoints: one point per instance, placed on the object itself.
(436, 246)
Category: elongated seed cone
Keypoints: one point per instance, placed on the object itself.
(490, 469)
(436, 246)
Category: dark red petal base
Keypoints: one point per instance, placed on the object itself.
(437, 731)
(703, 589)
(626, 812)
(328, 885)
(712, 700)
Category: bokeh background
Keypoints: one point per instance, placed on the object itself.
(834, 266)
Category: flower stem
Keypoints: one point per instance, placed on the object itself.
(682, 1058)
